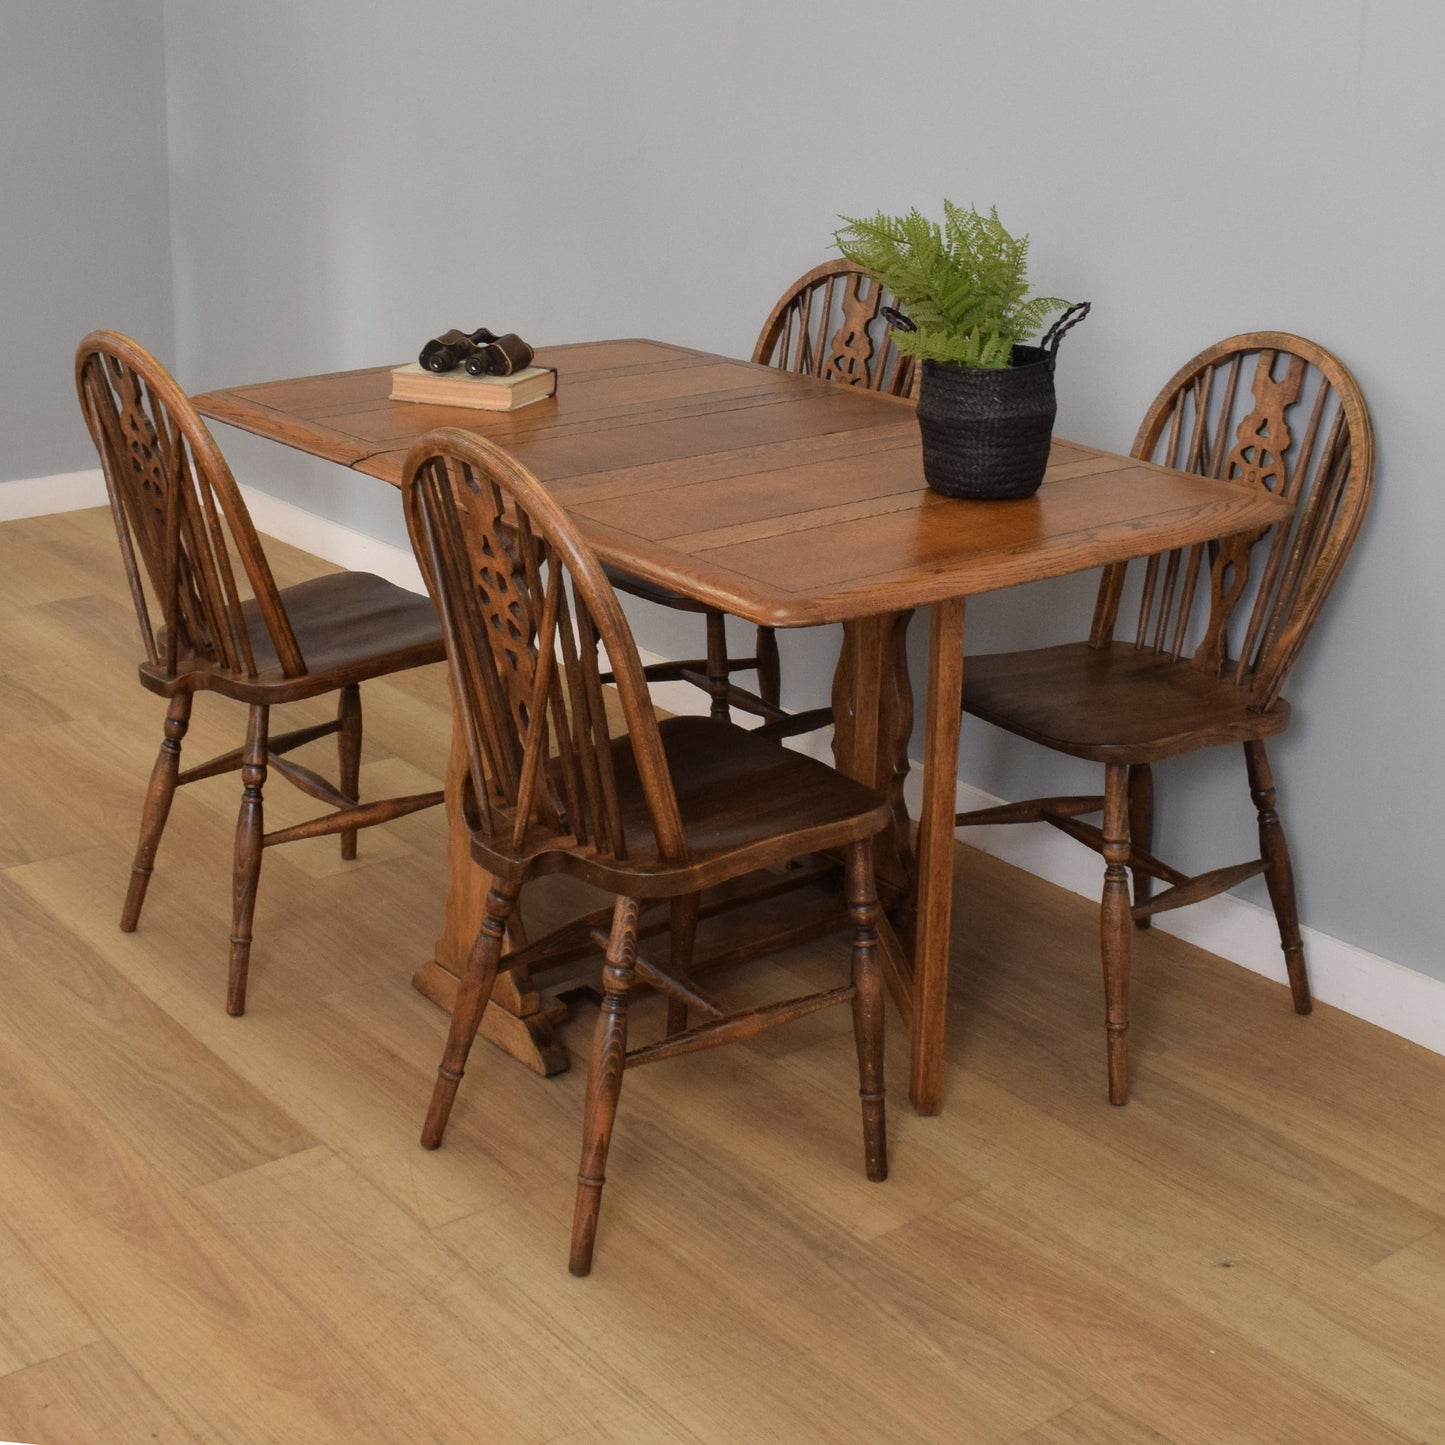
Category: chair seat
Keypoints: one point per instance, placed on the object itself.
(1118, 703)
(350, 626)
(736, 794)
(653, 591)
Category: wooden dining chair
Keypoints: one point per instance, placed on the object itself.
(829, 324)
(183, 527)
(1215, 632)
(669, 809)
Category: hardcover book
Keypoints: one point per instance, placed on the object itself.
(458, 388)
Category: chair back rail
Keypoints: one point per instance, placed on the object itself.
(525, 607)
(179, 516)
(1276, 412)
(829, 324)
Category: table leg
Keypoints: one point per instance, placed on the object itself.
(873, 718)
(516, 1020)
(935, 853)
(872, 722)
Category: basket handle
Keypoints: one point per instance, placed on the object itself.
(1062, 323)
(1051, 338)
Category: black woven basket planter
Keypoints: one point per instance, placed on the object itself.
(986, 433)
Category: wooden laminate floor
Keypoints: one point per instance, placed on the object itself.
(217, 1229)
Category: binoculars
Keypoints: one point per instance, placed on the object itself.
(482, 353)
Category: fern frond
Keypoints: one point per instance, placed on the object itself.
(964, 284)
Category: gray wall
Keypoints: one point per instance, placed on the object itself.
(84, 233)
(349, 175)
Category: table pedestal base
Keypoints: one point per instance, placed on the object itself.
(527, 1037)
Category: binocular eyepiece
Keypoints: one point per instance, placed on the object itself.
(481, 351)
(500, 357)
(448, 351)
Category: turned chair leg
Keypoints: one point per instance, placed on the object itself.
(683, 933)
(868, 1006)
(348, 747)
(1115, 927)
(246, 873)
(604, 1081)
(717, 666)
(1141, 830)
(473, 995)
(1278, 873)
(770, 668)
(157, 808)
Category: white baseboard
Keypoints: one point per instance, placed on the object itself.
(40, 496)
(73, 491)
(1398, 999)
(332, 541)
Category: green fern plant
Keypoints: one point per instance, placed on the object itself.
(964, 284)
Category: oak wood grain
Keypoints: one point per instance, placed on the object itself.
(676, 466)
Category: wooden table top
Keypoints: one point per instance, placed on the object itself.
(779, 498)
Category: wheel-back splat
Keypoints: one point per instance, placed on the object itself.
(829, 324)
(176, 504)
(1298, 428)
(503, 566)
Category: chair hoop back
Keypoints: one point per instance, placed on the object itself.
(1283, 414)
(179, 516)
(829, 324)
(500, 559)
